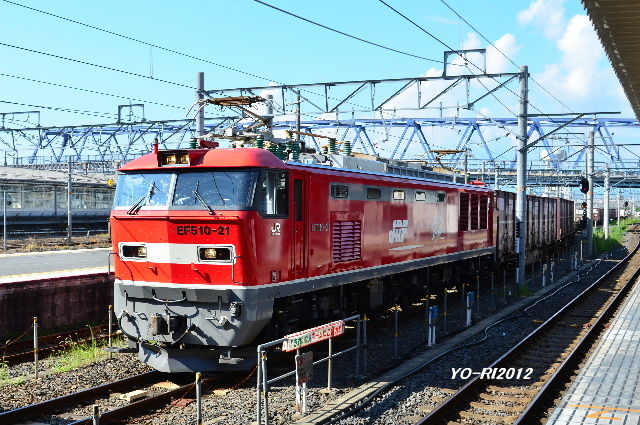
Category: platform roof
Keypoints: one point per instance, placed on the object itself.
(48, 177)
(617, 23)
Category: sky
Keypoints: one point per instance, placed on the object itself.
(255, 45)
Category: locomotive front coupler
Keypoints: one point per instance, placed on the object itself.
(130, 349)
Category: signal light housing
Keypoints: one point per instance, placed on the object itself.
(584, 185)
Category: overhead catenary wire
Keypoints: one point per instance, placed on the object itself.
(137, 40)
(504, 55)
(105, 67)
(152, 45)
(512, 62)
(350, 35)
(451, 49)
(468, 61)
(90, 91)
(56, 108)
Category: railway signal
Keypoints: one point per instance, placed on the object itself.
(584, 185)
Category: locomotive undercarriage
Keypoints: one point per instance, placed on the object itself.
(179, 328)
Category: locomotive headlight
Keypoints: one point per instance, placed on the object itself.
(134, 251)
(183, 159)
(169, 159)
(218, 254)
(209, 253)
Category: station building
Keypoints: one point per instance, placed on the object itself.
(37, 199)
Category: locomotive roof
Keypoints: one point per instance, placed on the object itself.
(262, 158)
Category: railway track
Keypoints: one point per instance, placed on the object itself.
(22, 351)
(517, 387)
(156, 396)
(76, 398)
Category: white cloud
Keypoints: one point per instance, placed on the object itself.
(579, 43)
(547, 14)
(472, 41)
(578, 75)
(496, 61)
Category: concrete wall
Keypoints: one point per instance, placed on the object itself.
(55, 302)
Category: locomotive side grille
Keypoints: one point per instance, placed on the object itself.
(347, 240)
(463, 224)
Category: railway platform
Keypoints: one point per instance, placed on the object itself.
(23, 267)
(607, 388)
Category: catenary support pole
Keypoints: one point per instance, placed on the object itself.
(4, 220)
(590, 153)
(199, 98)
(298, 113)
(607, 192)
(521, 178)
(619, 198)
(466, 168)
(69, 199)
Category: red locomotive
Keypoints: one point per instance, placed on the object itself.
(218, 248)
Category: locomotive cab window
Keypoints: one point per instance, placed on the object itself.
(339, 191)
(441, 197)
(142, 190)
(374, 193)
(221, 190)
(274, 198)
(398, 195)
(421, 196)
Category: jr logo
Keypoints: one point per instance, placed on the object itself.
(399, 231)
(437, 228)
(275, 229)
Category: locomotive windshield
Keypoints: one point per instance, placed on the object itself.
(216, 189)
(220, 190)
(142, 189)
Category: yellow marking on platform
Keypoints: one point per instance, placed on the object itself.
(601, 412)
(51, 272)
(604, 408)
(59, 251)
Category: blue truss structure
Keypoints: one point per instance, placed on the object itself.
(400, 138)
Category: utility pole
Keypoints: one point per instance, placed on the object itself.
(590, 153)
(496, 186)
(199, 99)
(607, 191)
(69, 197)
(521, 178)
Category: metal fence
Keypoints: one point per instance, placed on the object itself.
(304, 362)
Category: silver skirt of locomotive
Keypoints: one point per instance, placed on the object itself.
(183, 328)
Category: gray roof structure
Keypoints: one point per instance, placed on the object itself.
(36, 176)
(617, 23)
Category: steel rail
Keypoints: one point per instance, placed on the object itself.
(460, 397)
(120, 413)
(63, 402)
(566, 368)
